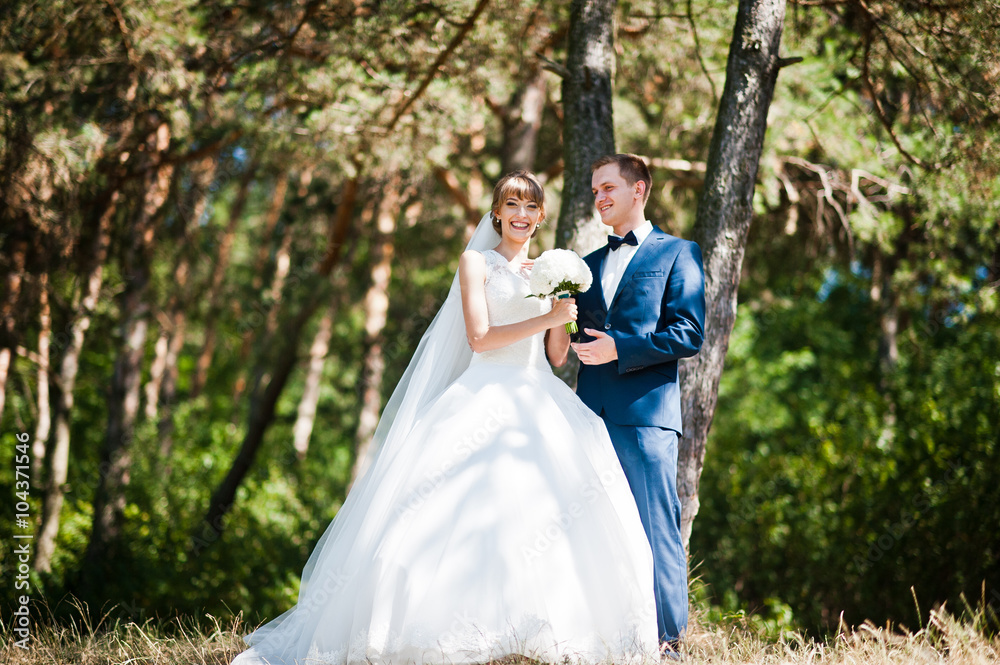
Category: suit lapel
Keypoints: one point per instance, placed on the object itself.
(596, 269)
(646, 250)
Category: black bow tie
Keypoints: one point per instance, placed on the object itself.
(614, 242)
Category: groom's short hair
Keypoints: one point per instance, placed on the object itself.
(631, 167)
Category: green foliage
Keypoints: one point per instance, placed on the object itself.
(857, 428)
(837, 489)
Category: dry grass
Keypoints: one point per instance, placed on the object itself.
(119, 642)
(945, 639)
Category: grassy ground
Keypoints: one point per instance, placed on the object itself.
(731, 641)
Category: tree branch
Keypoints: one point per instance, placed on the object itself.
(551, 66)
(880, 112)
(340, 224)
(784, 62)
(123, 29)
(697, 52)
(674, 164)
(450, 183)
(439, 62)
(828, 186)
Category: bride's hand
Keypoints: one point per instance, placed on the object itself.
(563, 311)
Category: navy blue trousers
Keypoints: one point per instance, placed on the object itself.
(649, 458)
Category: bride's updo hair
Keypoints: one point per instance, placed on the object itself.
(520, 184)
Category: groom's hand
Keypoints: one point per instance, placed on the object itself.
(601, 350)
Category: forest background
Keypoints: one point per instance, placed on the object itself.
(226, 225)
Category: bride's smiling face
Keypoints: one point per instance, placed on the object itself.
(518, 217)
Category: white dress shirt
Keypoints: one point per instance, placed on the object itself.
(617, 261)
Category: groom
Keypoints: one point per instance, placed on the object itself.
(645, 311)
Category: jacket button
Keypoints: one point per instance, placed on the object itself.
(607, 326)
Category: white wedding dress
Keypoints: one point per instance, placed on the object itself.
(503, 524)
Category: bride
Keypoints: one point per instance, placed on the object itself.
(494, 518)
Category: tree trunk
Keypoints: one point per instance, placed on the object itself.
(58, 459)
(169, 331)
(219, 268)
(306, 415)
(270, 222)
(168, 389)
(884, 296)
(724, 214)
(44, 405)
(194, 204)
(461, 197)
(7, 356)
(376, 310)
(162, 387)
(588, 131)
(282, 266)
(263, 400)
(282, 263)
(262, 408)
(8, 334)
(156, 371)
(522, 119)
(123, 403)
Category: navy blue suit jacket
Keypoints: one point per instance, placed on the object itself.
(656, 317)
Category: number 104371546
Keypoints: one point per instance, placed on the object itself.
(22, 483)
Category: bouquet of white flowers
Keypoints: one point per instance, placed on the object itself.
(560, 273)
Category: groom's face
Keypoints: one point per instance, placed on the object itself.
(613, 196)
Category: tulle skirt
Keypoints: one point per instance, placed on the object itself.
(501, 524)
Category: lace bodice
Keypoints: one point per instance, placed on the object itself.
(507, 302)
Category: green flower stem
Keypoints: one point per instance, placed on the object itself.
(571, 327)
